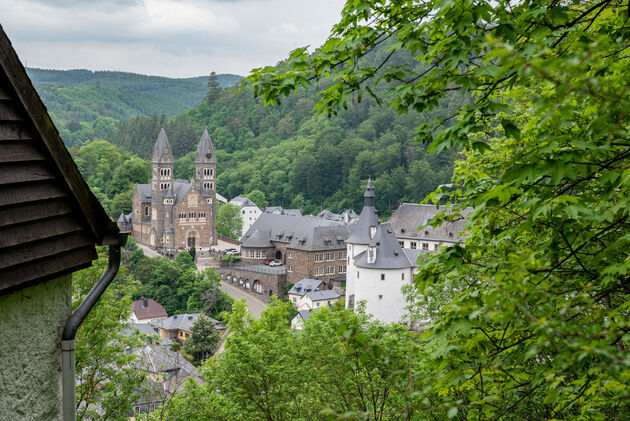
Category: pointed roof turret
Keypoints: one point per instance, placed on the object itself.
(362, 232)
(161, 147)
(205, 150)
(368, 196)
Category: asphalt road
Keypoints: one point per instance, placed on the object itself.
(255, 305)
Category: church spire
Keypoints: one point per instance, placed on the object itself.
(368, 196)
(205, 149)
(162, 146)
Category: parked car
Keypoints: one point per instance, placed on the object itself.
(274, 263)
(231, 251)
(267, 261)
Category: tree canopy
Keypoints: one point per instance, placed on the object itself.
(229, 221)
(532, 314)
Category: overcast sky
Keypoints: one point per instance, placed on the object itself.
(175, 38)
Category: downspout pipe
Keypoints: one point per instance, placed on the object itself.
(70, 330)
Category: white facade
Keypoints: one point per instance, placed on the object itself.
(377, 266)
(249, 215)
(379, 289)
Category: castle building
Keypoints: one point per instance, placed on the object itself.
(378, 266)
(308, 247)
(169, 214)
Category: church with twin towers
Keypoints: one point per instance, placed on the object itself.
(170, 214)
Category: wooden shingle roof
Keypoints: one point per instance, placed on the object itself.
(49, 219)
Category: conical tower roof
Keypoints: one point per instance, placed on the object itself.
(161, 147)
(389, 254)
(205, 150)
(367, 219)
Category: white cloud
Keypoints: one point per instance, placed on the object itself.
(177, 38)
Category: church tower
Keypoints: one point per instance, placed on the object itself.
(205, 179)
(162, 197)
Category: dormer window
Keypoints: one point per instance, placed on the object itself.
(372, 232)
(371, 254)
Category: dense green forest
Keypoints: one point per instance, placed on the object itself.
(299, 158)
(296, 157)
(86, 104)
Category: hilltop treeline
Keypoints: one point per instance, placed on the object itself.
(299, 158)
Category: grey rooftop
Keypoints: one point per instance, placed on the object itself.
(326, 294)
(304, 286)
(297, 232)
(389, 254)
(410, 216)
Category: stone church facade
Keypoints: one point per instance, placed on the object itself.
(170, 214)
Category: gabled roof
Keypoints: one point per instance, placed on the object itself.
(297, 232)
(205, 149)
(304, 286)
(161, 147)
(326, 294)
(145, 328)
(178, 322)
(274, 209)
(49, 218)
(156, 359)
(180, 189)
(303, 314)
(241, 201)
(147, 308)
(409, 217)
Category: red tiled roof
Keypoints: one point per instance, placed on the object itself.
(146, 308)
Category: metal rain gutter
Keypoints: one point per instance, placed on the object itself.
(70, 330)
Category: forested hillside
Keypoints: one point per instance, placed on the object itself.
(295, 156)
(86, 104)
(299, 158)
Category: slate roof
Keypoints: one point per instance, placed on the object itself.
(303, 314)
(297, 232)
(161, 147)
(389, 254)
(144, 190)
(205, 149)
(346, 216)
(293, 212)
(241, 201)
(274, 209)
(156, 359)
(125, 219)
(361, 228)
(258, 238)
(326, 294)
(326, 214)
(49, 218)
(178, 322)
(183, 322)
(412, 254)
(410, 216)
(180, 187)
(147, 308)
(304, 286)
(145, 328)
